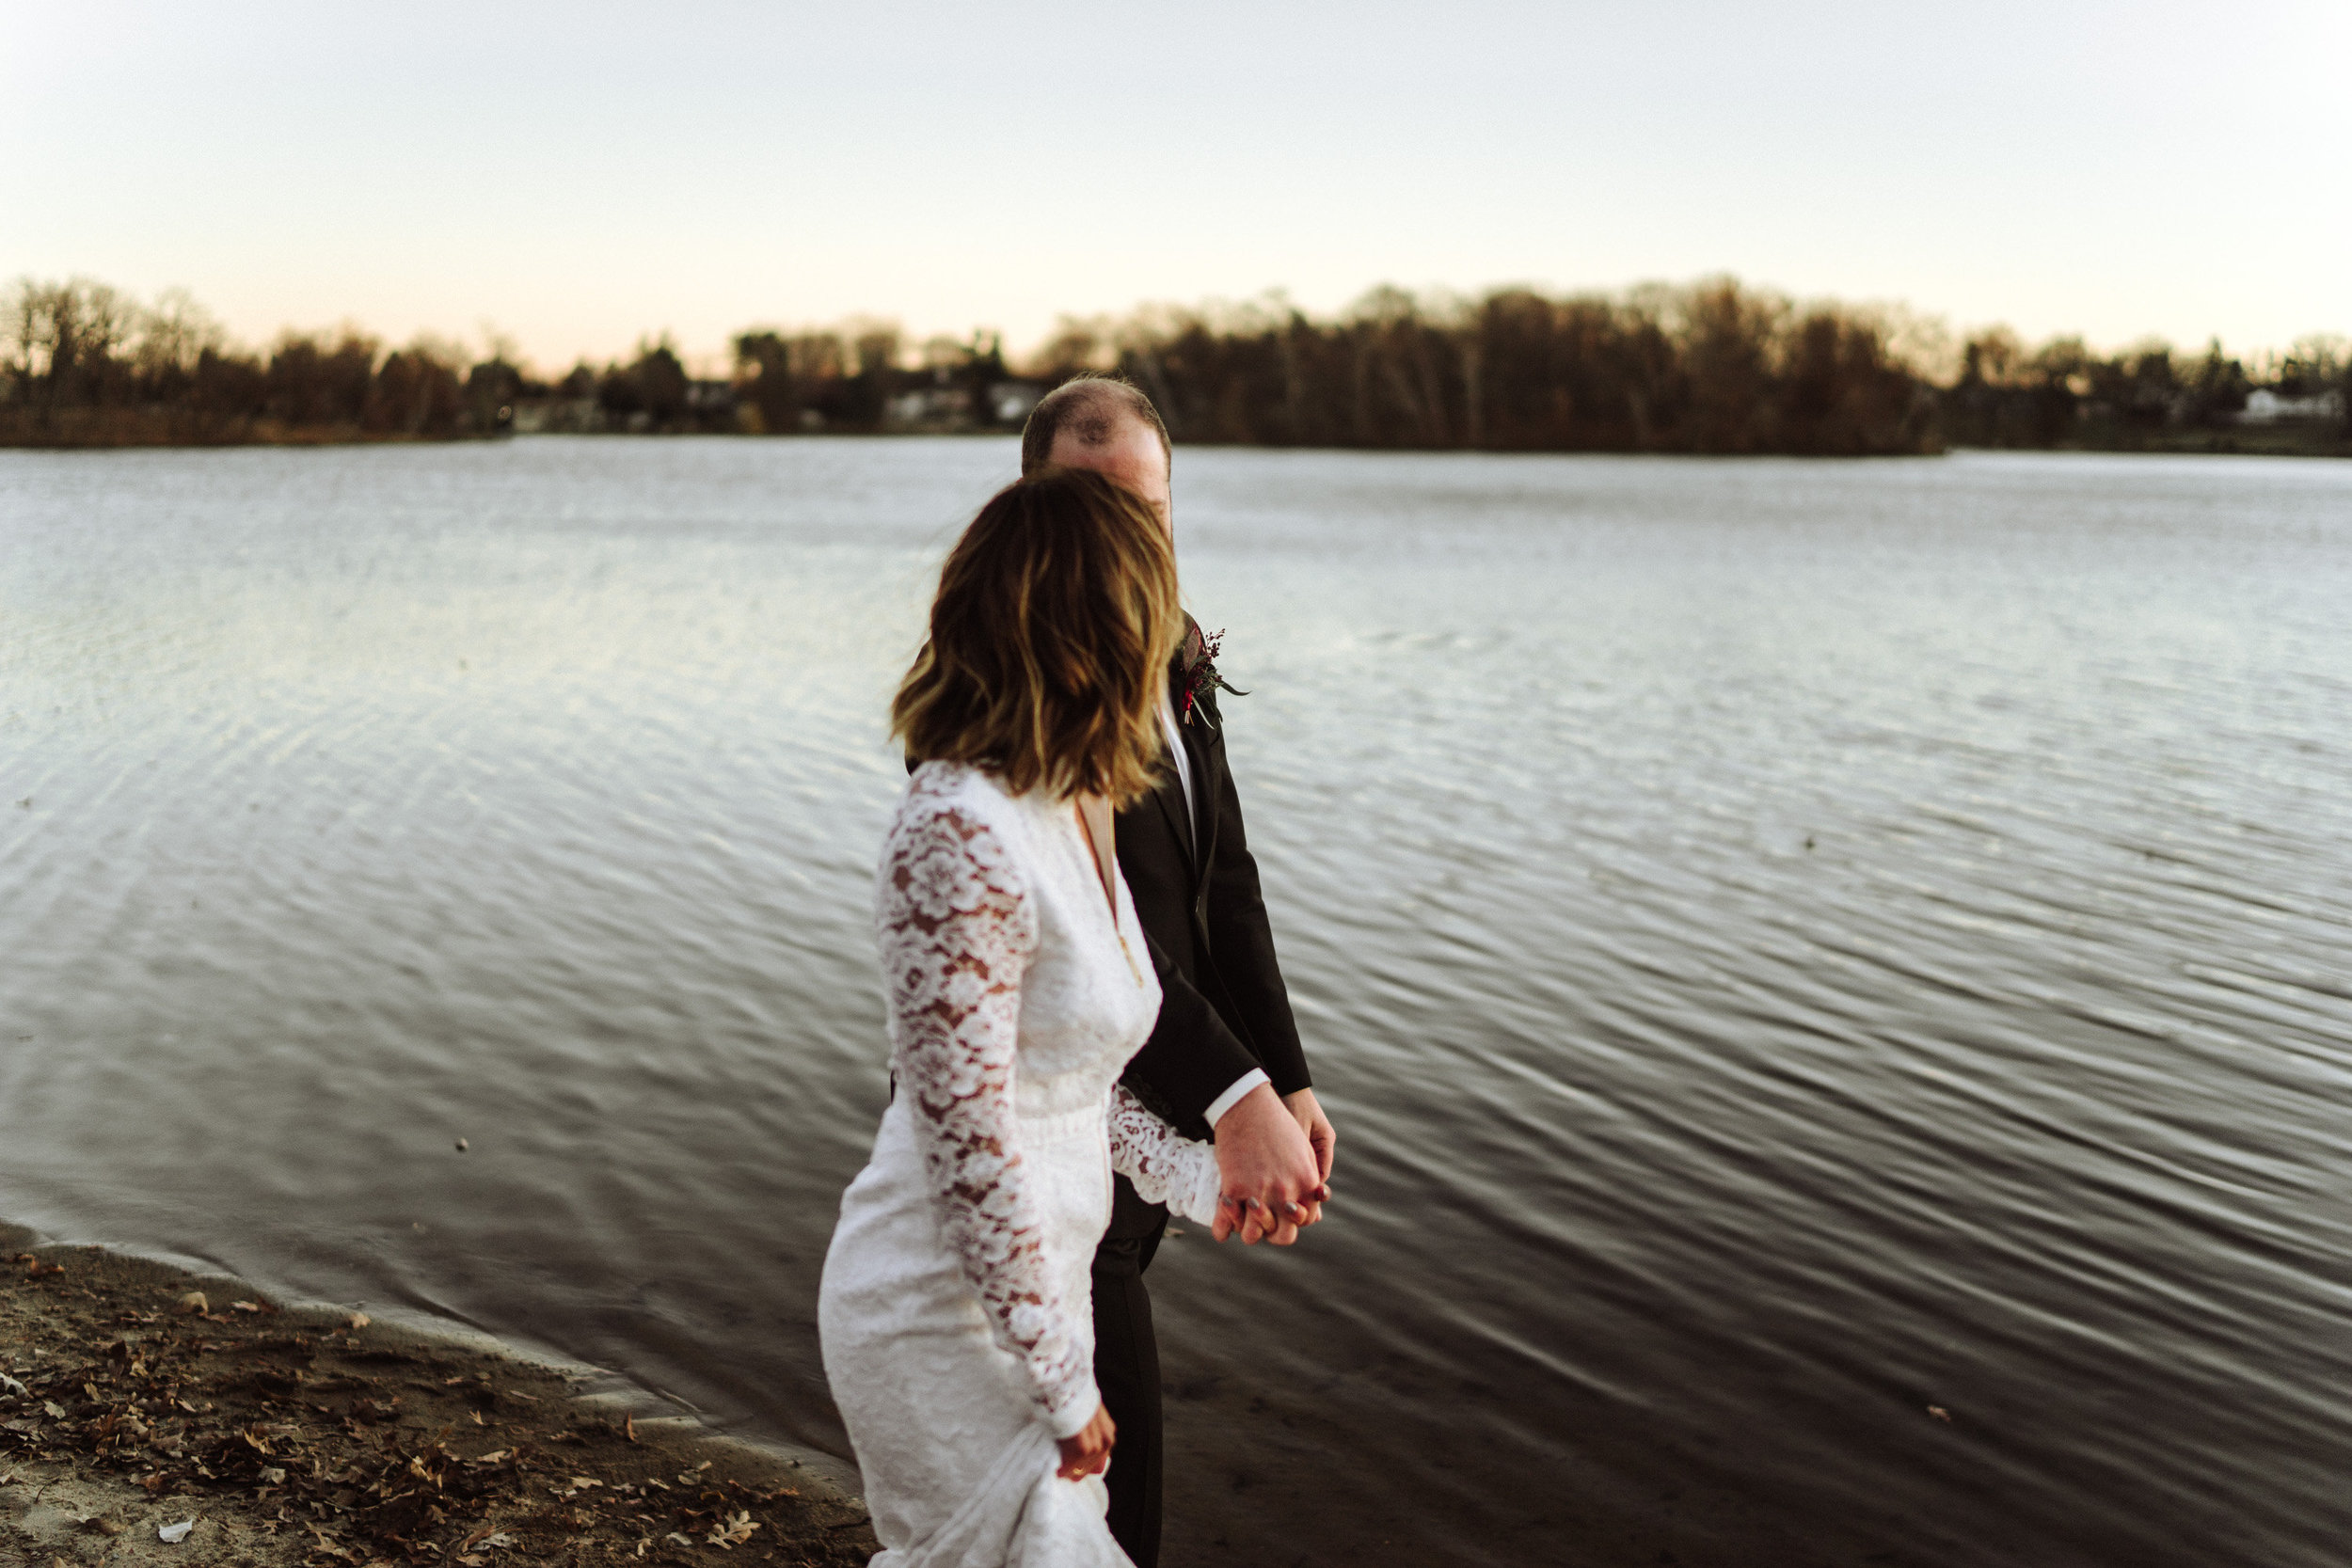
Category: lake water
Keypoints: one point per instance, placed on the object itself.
(1785, 945)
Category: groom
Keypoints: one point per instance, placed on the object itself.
(1224, 1060)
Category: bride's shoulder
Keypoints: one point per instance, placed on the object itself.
(954, 795)
(950, 785)
(957, 839)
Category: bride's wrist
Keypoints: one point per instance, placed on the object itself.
(1070, 1417)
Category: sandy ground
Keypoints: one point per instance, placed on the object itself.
(311, 1438)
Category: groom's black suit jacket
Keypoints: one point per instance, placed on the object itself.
(1224, 1009)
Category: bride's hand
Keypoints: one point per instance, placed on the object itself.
(1266, 1171)
(1090, 1452)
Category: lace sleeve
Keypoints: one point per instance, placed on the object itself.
(1165, 1166)
(957, 934)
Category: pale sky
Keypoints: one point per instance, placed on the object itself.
(581, 174)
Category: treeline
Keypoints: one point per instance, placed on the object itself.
(2151, 397)
(1713, 368)
(86, 366)
(1709, 368)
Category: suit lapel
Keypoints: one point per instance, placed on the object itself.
(1169, 793)
(1198, 738)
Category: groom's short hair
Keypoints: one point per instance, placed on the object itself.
(1090, 408)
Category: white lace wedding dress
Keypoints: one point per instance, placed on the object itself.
(956, 1310)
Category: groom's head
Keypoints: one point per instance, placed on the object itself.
(1105, 425)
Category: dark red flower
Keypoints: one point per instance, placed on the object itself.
(1198, 662)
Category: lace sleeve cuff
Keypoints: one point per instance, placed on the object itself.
(1165, 1166)
(1070, 1417)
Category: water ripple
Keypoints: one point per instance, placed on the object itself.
(1786, 945)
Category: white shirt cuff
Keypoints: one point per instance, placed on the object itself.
(1230, 1098)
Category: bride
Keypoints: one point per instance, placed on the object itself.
(955, 1312)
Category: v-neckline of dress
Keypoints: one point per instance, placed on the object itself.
(1090, 853)
(1103, 870)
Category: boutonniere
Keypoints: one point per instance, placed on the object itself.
(1198, 663)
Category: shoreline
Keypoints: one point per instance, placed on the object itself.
(2293, 441)
(310, 1437)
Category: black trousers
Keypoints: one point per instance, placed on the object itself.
(1127, 1371)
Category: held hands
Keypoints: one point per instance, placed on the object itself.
(1090, 1452)
(1272, 1168)
(1320, 1134)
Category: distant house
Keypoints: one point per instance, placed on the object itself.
(2265, 406)
(1010, 401)
(934, 408)
(557, 416)
(944, 406)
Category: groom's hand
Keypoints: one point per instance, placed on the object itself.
(1266, 1170)
(1323, 1139)
(1320, 1134)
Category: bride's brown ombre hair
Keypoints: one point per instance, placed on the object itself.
(1051, 638)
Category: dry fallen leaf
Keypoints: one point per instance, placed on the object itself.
(736, 1530)
(1940, 1414)
(194, 1301)
(171, 1535)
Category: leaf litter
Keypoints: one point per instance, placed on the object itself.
(317, 1440)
